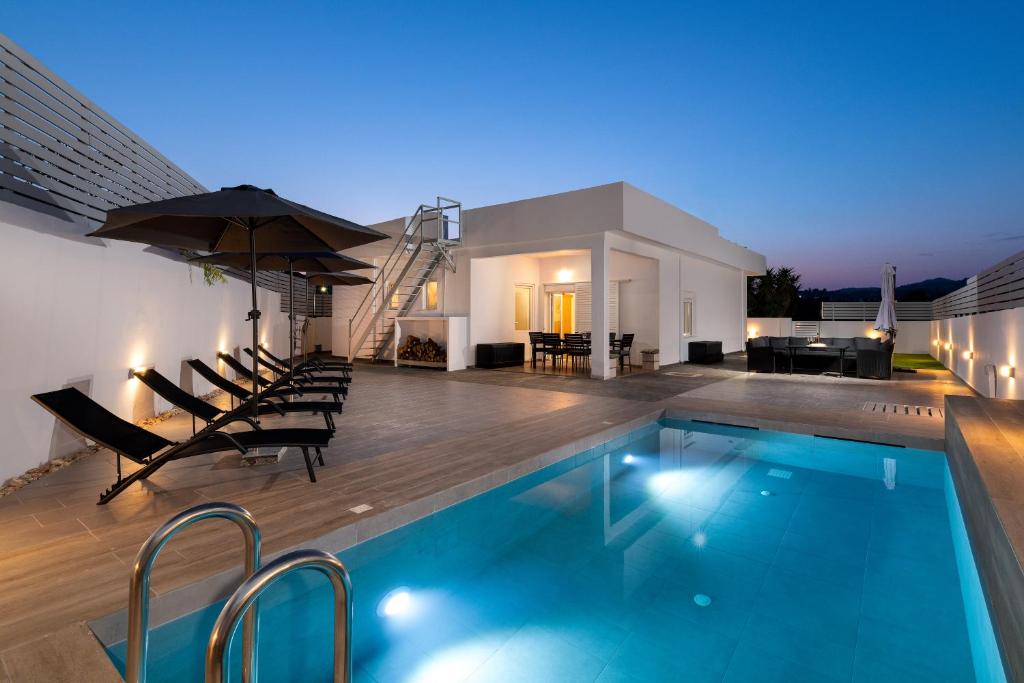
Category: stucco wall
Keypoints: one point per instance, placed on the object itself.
(492, 299)
(639, 299)
(996, 339)
(79, 313)
(719, 303)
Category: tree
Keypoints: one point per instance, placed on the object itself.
(774, 294)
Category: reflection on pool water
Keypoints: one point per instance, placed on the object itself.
(683, 552)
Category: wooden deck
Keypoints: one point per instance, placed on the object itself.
(406, 436)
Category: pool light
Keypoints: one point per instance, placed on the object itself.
(395, 603)
(628, 459)
(700, 539)
(701, 600)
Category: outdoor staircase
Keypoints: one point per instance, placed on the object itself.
(424, 246)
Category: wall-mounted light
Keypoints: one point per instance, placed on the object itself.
(138, 368)
(1008, 371)
(948, 346)
(323, 289)
(968, 355)
(936, 342)
(563, 275)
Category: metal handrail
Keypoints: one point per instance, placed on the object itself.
(379, 286)
(242, 600)
(138, 591)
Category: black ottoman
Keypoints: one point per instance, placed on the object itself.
(705, 352)
(500, 355)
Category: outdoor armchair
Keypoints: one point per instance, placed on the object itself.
(152, 451)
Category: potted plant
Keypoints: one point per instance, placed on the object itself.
(650, 359)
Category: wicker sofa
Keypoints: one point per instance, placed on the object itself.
(863, 357)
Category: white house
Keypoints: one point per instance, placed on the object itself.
(611, 258)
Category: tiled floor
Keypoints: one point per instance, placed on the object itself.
(405, 434)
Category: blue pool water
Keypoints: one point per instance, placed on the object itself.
(685, 552)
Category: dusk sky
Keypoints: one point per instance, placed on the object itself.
(828, 136)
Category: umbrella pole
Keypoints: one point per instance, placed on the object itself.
(254, 315)
(306, 327)
(291, 318)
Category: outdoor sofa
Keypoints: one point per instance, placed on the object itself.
(862, 356)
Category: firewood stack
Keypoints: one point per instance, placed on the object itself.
(415, 349)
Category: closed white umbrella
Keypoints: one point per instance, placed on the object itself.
(886, 320)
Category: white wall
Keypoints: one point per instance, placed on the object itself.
(769, 327)
(564, 268)
(997, 339)
(639, 299)
(492, 299)
(77, 312)
(719, 308)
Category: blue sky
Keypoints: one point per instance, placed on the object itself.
(828, 136)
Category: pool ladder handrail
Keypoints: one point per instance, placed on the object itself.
(242, 600)
(138, 594)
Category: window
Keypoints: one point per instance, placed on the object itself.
(396, 300)
(430, 296)
(688, 316)
(524, 301)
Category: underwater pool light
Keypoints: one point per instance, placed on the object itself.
(700, 539)
(395, 603)
(628, 459)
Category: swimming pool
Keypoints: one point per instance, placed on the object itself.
(685, 551)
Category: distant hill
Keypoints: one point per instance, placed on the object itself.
(926, 290)
(808, 306)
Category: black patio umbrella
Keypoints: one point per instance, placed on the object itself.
(310, 262)
(243, 218)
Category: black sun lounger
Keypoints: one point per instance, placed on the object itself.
(301, 376)
(241, 393)
(315, 363)
(210, 413)
(152, 451)
(336, 390)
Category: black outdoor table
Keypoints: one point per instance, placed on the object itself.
(818, 350)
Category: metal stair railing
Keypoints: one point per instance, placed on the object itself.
(373, 319)
(242, 602)
(138, 592)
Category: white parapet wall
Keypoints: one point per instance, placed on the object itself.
(81, 312)
(982, 349)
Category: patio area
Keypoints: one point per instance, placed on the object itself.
(460, 434)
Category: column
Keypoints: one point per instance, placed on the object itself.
(600, 365)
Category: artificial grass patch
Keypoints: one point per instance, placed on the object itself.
(916, 361)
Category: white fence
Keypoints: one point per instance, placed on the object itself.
(868, 310)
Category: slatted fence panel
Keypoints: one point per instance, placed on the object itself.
(62, 154)
(59, 152)
(868, 310)
(994, 289)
